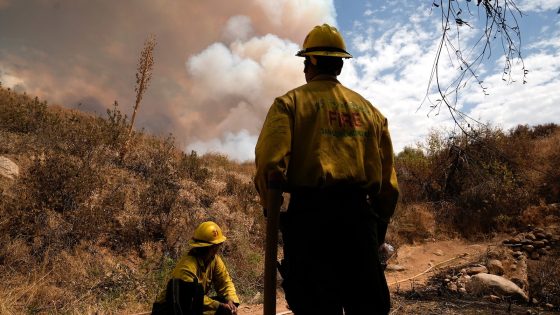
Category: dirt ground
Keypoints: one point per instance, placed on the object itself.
(408, 287)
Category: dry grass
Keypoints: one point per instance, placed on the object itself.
(411, 223)
(83, 231)
(101, 233)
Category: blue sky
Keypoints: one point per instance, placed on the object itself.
(219, 64)
(407, 32)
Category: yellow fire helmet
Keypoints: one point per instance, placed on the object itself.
(207, 234)
(324, 40)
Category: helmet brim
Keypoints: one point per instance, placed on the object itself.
(197, 243)
(303, 53)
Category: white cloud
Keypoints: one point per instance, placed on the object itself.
(538, 5)
(535, 102)
(238, 146)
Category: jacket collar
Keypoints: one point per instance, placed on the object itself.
(325, 77)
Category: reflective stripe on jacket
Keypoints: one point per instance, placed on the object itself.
(215, 273)
(323, 134)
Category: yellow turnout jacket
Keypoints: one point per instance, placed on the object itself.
(214, 273)
(323, 134)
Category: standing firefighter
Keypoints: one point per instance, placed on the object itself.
(196, 271)
(331, 150)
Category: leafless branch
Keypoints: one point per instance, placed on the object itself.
(497, 21)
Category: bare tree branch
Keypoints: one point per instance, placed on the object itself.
(495, 21)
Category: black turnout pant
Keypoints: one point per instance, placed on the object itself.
(331, 263)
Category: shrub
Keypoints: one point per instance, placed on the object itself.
(544, 280)
(20, 113)
(193, 167)
(484, 177)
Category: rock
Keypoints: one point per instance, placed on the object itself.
(393, 268)
(534, 301)
(540, 235)
(492, 298)
(526, 242)
(528, 248)
(519, 275)
(549, 306)
(256, 298)
(438, 252)
(476, 270)
(535, 256)
(452, 287)
(530, 236)
(462, 290)
(454, 278)
(516, 246)
(495, 267)
(518, 253)
(484, 283)
(539, 244)
(8, 168)
(542, 251)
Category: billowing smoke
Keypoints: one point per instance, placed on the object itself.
(234, 85)
(218, 64)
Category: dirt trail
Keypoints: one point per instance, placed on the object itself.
(416, 259)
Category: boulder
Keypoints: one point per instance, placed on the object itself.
(8, 168)
(476, 270)
(484, 283)
(495, 267)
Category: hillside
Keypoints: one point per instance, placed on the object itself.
(87, 229)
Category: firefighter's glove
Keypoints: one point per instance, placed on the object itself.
(228, 308)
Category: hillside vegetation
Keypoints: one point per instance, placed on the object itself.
(84, 229)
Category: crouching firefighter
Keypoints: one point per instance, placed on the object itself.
(191, 279)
